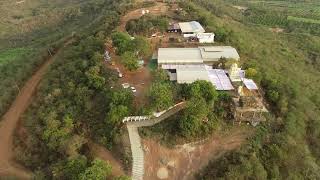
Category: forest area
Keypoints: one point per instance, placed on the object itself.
(73, 98)
(29, 31)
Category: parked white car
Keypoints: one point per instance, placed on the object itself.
(120, 75)
(133, 89)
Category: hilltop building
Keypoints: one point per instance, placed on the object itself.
(186, 65)
(190, 29)
(201, 55)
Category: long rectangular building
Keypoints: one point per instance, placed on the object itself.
(200, 55)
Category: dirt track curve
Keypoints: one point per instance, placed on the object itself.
(9, 122)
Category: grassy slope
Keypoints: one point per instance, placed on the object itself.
(28, 29)
(285, 57)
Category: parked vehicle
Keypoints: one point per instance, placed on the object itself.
(119, 73)
(133, 89)
(125, 85)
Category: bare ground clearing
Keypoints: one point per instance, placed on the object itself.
(181, 162)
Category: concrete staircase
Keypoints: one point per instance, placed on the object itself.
(137, 153)
(133, 123)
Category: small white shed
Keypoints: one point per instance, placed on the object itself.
(205, 37)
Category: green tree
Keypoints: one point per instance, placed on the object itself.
(74, 167)
(161, 96)
(160, 75)
(122, 41)
(251, 73)
(121, 97)
(56, 133)
(94, 77)
(193, 116)
(97, 58)
(116, 114)
(99, 170)
(130, 61)
(141, 46)
(203, 89)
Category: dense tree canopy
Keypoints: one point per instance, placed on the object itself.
(130, 61)
(193, 117)
(146, 25)
(160, 96)
(203, 89)
(99, 170)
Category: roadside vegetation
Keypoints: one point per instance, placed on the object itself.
(75, 105)
(30, 29)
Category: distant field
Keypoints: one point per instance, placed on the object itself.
(305, 20)
(26, 16)
(11, 54)
(28, 28)
(309, 9)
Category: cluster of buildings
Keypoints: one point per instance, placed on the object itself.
(192, 30)
(186, 65)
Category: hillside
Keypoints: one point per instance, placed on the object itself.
(286, 147)
(28, 29)
(88, 82)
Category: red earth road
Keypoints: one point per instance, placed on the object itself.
(9, 122)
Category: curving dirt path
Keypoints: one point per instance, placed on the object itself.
(9, 122)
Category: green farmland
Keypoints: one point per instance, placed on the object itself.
(304, 20)
(12, 54)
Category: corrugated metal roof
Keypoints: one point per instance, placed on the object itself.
(189, 75)
(219, 79)
(209, 53)
(249, 83)
(177, 66)
(193, 26)
(179, 55)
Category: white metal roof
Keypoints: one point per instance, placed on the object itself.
(219, 78)
(189, 75)
(195, 55)
(249, 83)
(205, 35)
(177, 66)
(179, 55)
(192, 26)
(209, 53)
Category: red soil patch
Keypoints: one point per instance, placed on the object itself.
(183, 161)
(102, 153)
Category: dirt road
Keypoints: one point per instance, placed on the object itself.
(183, 161)
(158, 9)
(9, 122)
(102, 153)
